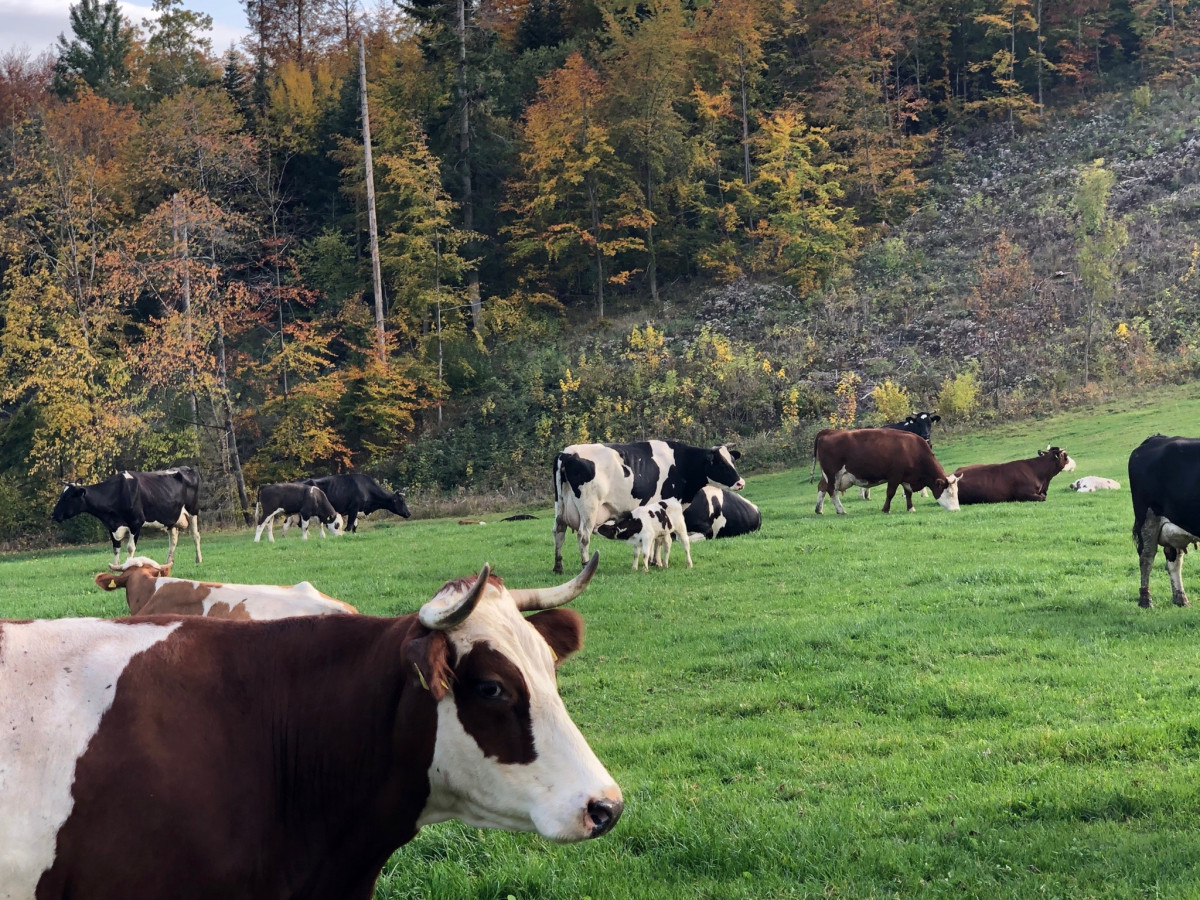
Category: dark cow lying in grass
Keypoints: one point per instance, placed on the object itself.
(173, 757)
(867, 457)
(1010, 482)
(1164, 482)
(292, 499)
(718, 513)
(129, 501)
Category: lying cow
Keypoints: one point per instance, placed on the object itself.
(129, 501)
(1164, 482)
(597, 482)
(304, 501)
(649, 529)
(148, 759)
(866, 457)
(150, 591)
(718, 513)
(1090, 483)
(1010, 482)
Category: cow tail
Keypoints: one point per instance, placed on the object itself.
(558, 462)
(813, 470)
(257, 509)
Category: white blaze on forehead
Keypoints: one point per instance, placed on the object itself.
(548, 795)
(57, 680)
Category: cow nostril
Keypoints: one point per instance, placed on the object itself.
(603, 815)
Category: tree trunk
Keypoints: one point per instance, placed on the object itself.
(186, 308)
(464, 160)
(745, 123)
(235, 460)
(373, 227)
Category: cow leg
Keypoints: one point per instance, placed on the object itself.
(352, 521)
(1175, 571)
(116, 542)
(664, 550)
(194, 527)
(1151, 527)
(132, 545)
(891, 492)
(586, 526)
(834, 493)
(687, 546)
(262, 523)
(822, 490)
(865, 493)
(560, 535)
(172, 541)
(908, 497)
(303, 528)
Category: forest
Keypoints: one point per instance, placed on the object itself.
(712, 220)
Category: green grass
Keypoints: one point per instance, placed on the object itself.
(932, 704)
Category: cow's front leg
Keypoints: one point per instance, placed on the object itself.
(1149, 537)
(891, 492)
(172, 542)
(303, 528)
(116, 542)
(352, 521)
(194, 526)
(1175, 571)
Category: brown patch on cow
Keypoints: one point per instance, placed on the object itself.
(561, 629)
(430, 655)
(236, 612)
(230, 752)
(501, 725)
(179, 598)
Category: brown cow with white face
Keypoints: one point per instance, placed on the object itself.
(193, 757)
(867, 457)
(150, 591)
(1011, 482)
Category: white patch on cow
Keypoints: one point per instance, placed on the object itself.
(949, 498)
(137, 562)
(120, 534)
(1090, 483)
(549, 795)
(1172, 535)
(127, 475)
(57, 680)
(1070, 466)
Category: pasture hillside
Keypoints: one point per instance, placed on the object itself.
(938, 704)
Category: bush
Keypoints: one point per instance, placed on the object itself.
(959, 396)
(892, 402)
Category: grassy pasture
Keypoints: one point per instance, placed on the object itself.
(932, 704)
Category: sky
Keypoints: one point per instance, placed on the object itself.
(36, 24)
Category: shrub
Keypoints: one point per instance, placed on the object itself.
(892, 402)
(959, 396)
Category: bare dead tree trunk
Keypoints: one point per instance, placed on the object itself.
(235, 460)
(464, 159)
(179, 227)
(373, 227)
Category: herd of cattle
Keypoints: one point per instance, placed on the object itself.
(205, 746)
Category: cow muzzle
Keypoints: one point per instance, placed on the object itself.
(741, 483)
(602, 815)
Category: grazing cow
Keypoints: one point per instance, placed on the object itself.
(357, 493)
(597, 482)
(921, 425)
(150, 591)
(870, 456)
(1021, 479)
(1164, 482)
(718, 513)
(150, 759)
(1089, 483)
(304, 501)
(128, 501)
(649, 529)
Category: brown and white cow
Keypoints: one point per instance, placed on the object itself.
(150, 591)
(1011, 482)
(145, 759)
(867, 457)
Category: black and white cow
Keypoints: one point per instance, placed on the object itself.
(128, 501)
(597, 482)
(1164, 481)
(291, 499)
(648, 529)
(357, 493)
(715, 512)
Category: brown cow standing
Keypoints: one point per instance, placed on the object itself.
(150, 591)
(867, 457)
(1019, 480)
(178, 758)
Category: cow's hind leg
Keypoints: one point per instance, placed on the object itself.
(908, 497)
(1175, 571)
(891, 492)
(303, 528)
(172, 542)
(560, 535)
(822, 490)
(687, 546)
(834, 492)
(1151, 527)
(194, 527)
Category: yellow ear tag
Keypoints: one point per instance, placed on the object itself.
(112, 584)
(445, 686)
(420, 676)
(553, 655)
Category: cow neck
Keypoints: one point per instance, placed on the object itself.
(307, 763)
(687, 474)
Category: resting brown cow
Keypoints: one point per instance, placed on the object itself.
(1021, 479)
(869, 456)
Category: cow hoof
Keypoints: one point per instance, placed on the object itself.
(1180, 600)
(558, 568)
(819, 511)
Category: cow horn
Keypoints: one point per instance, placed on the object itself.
(532, 599)
(438, 616)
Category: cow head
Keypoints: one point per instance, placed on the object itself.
(138, 575)
(720, 470)
(398, 506)
(507, 754)
(1065, 463)
(945, 490)
(621, 529)
(336, 524)
(71, 502)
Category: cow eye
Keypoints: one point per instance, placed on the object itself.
(490, 690)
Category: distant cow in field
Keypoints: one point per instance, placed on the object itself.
(718, 513)
(188, 757)
(1090, 483)
(304, 501)
(649, 530)
(597, 482)
(129, 501)
(1164, 483)
(867, 457)
(150, 591)
(357, 493)
(1011, 482)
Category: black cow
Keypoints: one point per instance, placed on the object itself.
(1164, 481)
(128, 501)
(715, 512)
(291, 499)
(356, 493)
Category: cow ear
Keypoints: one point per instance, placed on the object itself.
(110, 581)
(735, 454)
(935, 418)
(428, 655)
(1043, 452)
(561, 628)
(910, 420)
